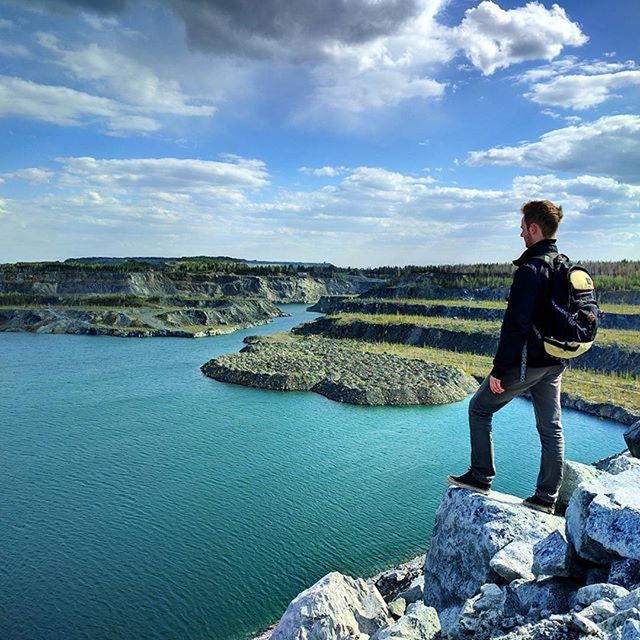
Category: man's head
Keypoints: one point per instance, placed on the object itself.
(540, 220)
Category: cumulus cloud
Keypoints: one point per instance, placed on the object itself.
(327, 171)
(123, 78)
(610, 147)
(495, 38)
(229, 206)
(67, 107)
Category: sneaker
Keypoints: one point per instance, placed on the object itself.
(533, 502)
(468, 481)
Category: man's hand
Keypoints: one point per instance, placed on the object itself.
(495, 385)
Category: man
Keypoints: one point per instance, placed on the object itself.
(521, 363)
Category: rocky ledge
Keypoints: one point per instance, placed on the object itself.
(496, 570)
(334, 370)
(222, 316)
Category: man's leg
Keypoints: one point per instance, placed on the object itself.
(481, 409)
(545, 396)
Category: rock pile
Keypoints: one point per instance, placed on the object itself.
(496, 570)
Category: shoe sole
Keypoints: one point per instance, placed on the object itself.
(537, 507)
(462, 485)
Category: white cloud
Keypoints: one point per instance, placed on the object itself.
(579, 84)
(67, 107)
(610, 146)
(124, 78)
(34, 175)
(370, 216)
(494, 38)
(327, 171)
(14, 50)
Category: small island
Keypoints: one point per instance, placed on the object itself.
(340, 371)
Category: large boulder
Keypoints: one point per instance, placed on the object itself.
(573, 474)
(470, 529)
(603, 517)
(625, 573)
(554, 556)
(632, 438)
(617, 463)
(419, 623)
(337, 607)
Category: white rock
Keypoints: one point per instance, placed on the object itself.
(617, 463)
(418, 623)
(603, 517)
(470, 529)
(584, 625)
(613, 627)
(572, 475)
(593, 592)
(337, 607)
(599, 610)
(514, 561)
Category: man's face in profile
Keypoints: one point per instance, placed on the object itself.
(524, 233)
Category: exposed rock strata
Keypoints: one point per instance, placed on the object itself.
(350, 304)
(344, 374)
(223, 317)
(152, 282)
(610, 358)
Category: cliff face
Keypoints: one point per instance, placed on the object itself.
(150, 282)
(222, 317)
(607, 359)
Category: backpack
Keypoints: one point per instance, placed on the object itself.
(573, 316)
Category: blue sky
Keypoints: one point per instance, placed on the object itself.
(360, 132)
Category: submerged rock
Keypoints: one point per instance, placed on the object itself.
(337, 607)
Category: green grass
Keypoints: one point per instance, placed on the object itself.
(493, 304)
(626, 338)
(620, 390)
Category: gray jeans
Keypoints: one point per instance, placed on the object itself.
(543, 383)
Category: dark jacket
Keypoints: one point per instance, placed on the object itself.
(528, 296)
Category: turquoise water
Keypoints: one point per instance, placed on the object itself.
(143, 500)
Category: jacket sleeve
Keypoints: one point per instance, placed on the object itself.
(518, 319)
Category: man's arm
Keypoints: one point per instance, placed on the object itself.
(518, 318)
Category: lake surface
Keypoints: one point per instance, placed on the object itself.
(142, 500)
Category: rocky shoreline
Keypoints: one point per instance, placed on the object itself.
(351, 304)
(497, 570)
(344, 374)
(607, 359)
(218, 317)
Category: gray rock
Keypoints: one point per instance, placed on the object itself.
(630, 601)
(599, 610)
(544, 630)
(584, 625)
(538, 599)
(617, 463)
(394, 582)
(419, 623)
(626, 573)
(613, 627)
(589, 594)
(573, 474)
(337, 607)
(514, 561)
(632, 438)
(631, 630)
(614, 519)
(603, 517)
(470, 529)
(554, 556)
(480, 615)
(449, 619)
(415, 591)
